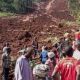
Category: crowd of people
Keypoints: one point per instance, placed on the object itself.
(60, 62)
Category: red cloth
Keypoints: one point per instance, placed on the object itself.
(67, 68)
(56, 53)
(51, 66)
(77, 36)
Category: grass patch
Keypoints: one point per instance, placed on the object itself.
(2, 14)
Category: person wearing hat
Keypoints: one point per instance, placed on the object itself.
(22, 69)
(67, 67)
(6, 60)
(51, 62)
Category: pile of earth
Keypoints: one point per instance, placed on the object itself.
(18, 31)
(45, 23)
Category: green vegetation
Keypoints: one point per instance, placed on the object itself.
(16, 6)
(7, 7)
(22, 6)
(75, 9)
(5, 14)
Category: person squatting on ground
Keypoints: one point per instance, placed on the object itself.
(22, 69)
(67, 67)
(6, 60)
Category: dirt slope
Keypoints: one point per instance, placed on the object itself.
(42, 23)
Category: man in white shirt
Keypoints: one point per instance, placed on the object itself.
(6, 47)
(22, 69)
(76, 53)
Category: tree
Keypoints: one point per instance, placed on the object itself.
(22, 5)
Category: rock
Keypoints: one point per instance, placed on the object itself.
(25, 35)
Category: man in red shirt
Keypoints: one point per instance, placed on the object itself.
(67, 67)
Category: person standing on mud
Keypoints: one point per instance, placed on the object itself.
(22, 69)
(44, 54)
(5, 47)
(76, 53)
(51, 62)
(35, 46)
(6, 60)
(65, 41)
(68, 67)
